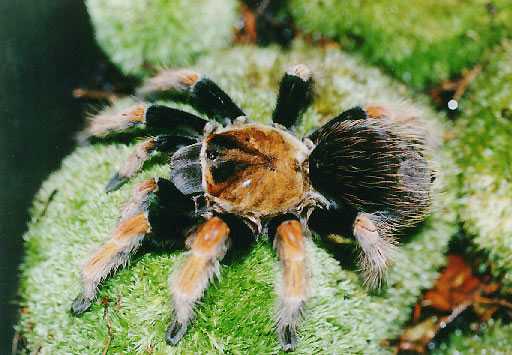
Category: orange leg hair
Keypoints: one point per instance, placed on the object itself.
(208, 245)
(174, 80)
(125, 240)
(293, 289)
(376, 111)
(114, 120)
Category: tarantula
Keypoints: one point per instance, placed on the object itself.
(367, 167)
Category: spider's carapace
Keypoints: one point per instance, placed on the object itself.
(254, 169)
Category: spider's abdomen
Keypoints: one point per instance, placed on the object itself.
(374, 163)
(254, 169)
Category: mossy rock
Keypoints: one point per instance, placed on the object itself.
(493, 338)
(484, 154)
(72, 215)
(421, 43)
(141, 36)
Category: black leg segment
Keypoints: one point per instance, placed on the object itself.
(191, 87)
(171, 213)
(295, 95)
(353, 114)
(152, 117)
(180, 123)
(213, 101)
(157, 211)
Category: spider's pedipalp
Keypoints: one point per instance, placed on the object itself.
(133, 164)
(184, 128)
(142, 152)
(295, 95)
(155, 117)
(199, 91)
(208, 245)
(378, 248)
(186, 173)
(293, 288)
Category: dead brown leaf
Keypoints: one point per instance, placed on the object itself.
(455, 88)
(456, 290)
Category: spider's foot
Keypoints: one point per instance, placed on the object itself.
(80, 305)
(175, 332)
(288, 338)
(378, 249)
(115, 183)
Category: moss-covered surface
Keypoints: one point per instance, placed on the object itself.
(141, 35)
(493, 338)
(236, 315)
(484, 155)
(420, 42)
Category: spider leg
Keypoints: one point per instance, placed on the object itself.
(377, 247)
(149, 199)
(142, 152)
(359, 113)
(208, 245)
(125, 240)
(185, 129)
(189, 86)
(295, 95)
(353, 114)
(155, 117)
(293, 288)
(373, 233)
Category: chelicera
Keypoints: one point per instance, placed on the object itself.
(365, 171)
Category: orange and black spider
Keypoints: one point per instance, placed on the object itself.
(365, 171)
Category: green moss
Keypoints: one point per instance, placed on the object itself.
(494, 338)
(484, 154)
(420, 43)
(140, 36)
(236, 315)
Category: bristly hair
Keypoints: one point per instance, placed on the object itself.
(378, 246)
(375, 164)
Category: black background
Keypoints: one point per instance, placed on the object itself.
(46, 50)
